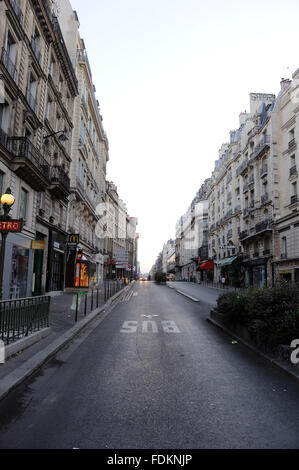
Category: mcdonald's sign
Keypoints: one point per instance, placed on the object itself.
(74, 239)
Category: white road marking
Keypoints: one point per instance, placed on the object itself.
(149, 326)
(153, 328)
(129, 327)
(170, 327)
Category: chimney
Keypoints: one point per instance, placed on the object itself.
(284, 83)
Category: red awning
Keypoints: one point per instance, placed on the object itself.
(207, 265)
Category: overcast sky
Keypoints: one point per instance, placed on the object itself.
(172, 77)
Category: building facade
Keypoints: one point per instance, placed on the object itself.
(39, 88)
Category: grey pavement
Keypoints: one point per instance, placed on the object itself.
(62, 320)
(153, 374)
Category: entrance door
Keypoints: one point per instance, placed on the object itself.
(57, 272)
(38, 272)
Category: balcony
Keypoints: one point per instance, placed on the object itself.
(244, 234)
(264, 226)
(8, 64)
(293, 171)
(28, 163)
(251, 181)
(294, 199)
(245, 188)
(291, 144)
(265, 199)
(264, 171)
(261, 147)
(60, 182)
(246, 211)
(242, 168)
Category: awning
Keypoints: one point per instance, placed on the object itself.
(228, 261)
(207, 265)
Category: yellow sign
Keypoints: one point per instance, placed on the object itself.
(38, 245)
(74, 238)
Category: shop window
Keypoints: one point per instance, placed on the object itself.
(20, 260)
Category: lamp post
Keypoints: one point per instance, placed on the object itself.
(7, 201)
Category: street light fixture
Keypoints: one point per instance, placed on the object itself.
(7, 201)
(63, 137)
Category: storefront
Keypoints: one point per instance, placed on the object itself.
(257, 273)
(56, 261)
(18, 265)
(231, 268)
(206, 270)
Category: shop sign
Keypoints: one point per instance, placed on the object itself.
(74, 238)
(38, 245)
(11, 226)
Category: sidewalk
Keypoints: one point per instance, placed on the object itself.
(63, 329)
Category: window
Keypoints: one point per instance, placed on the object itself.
(23, 204)
(11, 48)
(48, 110)
(4, 116)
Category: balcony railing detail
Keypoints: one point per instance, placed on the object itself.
(293, 170)
(292, 143)
(294, 199)
(265, 198)
(23, 148)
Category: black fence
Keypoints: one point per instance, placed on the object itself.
(92, 299)
(21, 317)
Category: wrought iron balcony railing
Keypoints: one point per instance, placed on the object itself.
(293, 170)
(294, 199)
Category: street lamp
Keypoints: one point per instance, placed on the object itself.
(7, 201)
(63, 137)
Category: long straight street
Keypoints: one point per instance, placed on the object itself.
(154, 374)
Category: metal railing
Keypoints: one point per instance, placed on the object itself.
(293, 170)
(23, 148)
(59, 176)
(294, 199)
(21, 317)
(292, 143)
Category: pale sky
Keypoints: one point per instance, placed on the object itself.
(172, 77)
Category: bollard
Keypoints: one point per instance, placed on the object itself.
(77, 301)
(85, 305)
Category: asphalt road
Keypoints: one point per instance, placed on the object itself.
(154, 374)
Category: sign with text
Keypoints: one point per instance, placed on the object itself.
(38, 245)
(11, 226)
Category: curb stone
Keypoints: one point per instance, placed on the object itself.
(17, 376)
(256, 350)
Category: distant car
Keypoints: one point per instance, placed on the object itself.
(144, 278)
